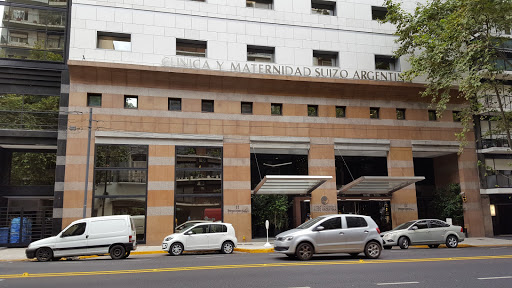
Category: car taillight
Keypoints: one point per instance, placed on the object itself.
(130, 239)
(378, 230)
(461, 230)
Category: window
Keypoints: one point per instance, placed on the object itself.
(18, 37)
(323, 7)
(355, 222)
(218, 228)
(263, 4)
(201, 229)
(276, 109)
(192, 48)
(325, 58)
(374, 113)
(207, 106)
(438, 224)
(421, 225)
(174, 104)
(432, 116)
(313, 110)
(260, 54)
(379, 13)
(390, 63)
(340, 111)
(400, 114)
(456, 116)
(114, 41)
(333, 223)
(246, 107)
(93, 100)
(75, 230)
(131, 102)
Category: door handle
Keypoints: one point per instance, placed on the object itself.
(366, 231)
(86, 236)
(341, 233)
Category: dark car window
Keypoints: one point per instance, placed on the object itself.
(438, 224)
(201, 229)
(421, 225)
(75, 230)
(355, 222)
(333, 223)
(218, 228)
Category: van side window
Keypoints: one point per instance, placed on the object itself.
(75, 230)
(355, 222)
(333, 223)
(218, 228)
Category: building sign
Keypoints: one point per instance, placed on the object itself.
(281, 70)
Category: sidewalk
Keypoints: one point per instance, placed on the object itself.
(18, 254)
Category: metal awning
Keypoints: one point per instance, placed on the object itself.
(289, 185)
(379, 185)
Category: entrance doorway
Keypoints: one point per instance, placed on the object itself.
(379, 211)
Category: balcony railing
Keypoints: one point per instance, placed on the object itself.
(29, 120)
(499, 181)
(489, 143)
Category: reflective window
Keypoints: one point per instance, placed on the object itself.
(32, 168)
(122, 156)
(432, 116)
(276, 109)
(333, 223)
(312, 110)
(374, 113)
(185, 47)
(438, 224)
(207, 106)
(218, 228)
(355, 222)
(323, 7)
(114, 41)
(260, 54)
(325, 58)
(340, 111)
(384, 62)
(246, 108)
(263, 4)
(421, 225)
(174, 104)
(379, 13)
(29, 112)
(400, 114)
(93, 100)
(131, 102)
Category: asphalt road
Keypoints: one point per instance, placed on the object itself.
(461, 267)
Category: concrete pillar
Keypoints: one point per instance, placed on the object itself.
(400, 163)
(321, 163)
(470, 186)
(486, 211)
(237, 187)
(446, 170)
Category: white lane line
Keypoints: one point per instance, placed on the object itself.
(210, 257)
(492, 278)
(498, 248)
(397, 283)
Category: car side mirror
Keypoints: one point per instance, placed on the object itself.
(319, 228)
(414, 228)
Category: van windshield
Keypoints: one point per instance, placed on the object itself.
(310, 223)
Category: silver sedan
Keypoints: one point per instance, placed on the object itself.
(431, 232)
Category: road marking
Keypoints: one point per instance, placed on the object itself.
(210, 257)
(498, 248)
(241, 266)
(492, 278)
(397, 283)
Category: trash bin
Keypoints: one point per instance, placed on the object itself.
(17, 228)
(4, 235)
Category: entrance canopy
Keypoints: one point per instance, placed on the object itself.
(289, 185)
(377, 185)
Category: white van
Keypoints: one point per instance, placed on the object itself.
(114, 235)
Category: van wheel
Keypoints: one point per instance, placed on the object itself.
(304, 251)
(403, 242)
(452, 242)
(176, 249)
(227, 247)
(117, 252)
(44, 254)
(126, 254)
(372, 250)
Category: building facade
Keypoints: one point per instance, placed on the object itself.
(193, 105)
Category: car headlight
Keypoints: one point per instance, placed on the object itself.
(168, 239)
(289, 238)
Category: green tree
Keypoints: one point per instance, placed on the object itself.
(447, 203)
(28, 112)
(273, 208)
(458, 43)
(33, 168)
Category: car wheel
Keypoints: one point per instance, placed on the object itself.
(403, 243)
(354, 255)
(44, 254)
(452, 242)
(117, 252)
(126, 254)
(388, 247)
(176, 249)
(227, 247)
(304, 251)
(433, 245)
(372, 250)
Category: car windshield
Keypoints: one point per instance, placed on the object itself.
(184, 226)
(310, 223)
(404, 225)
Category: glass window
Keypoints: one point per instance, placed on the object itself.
(379, 13)
(200, 157)
(130, 182)
(263, 4)
(198, 208)
(218, 228)
(432, 116)
(131, 102)
(194, 48)
(29, 112)
(174, 104)
(438, 224)
(421, 225)
(114, 41)
(323, 7)
(374, 112)
(207, 106)
(122, 156)
(93, 100)
(276, 109)
(32, 168)
(456, 116)
(400, 114)
(75, 230)
(260, 54)
(198, 182)
(333, 223)
(313, 110)
(325, 58)
(340, 111)
(246, 107)
(201, 229)
(356, 222)
(389, 63)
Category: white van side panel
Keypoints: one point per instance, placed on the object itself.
(103, 233)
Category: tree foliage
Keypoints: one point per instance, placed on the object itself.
(273, 208)
(33, 168)
(461, 44)
(28, 112)
(447, 203)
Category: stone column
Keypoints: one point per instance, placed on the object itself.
(324, 200)
(400, 163)
(470, 186)
(160, 197)
(237, 187)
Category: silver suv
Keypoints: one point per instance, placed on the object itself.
(350, 234)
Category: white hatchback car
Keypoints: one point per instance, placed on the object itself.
(202, 236)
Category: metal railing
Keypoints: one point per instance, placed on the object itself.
(20, 227)
(499, 181)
